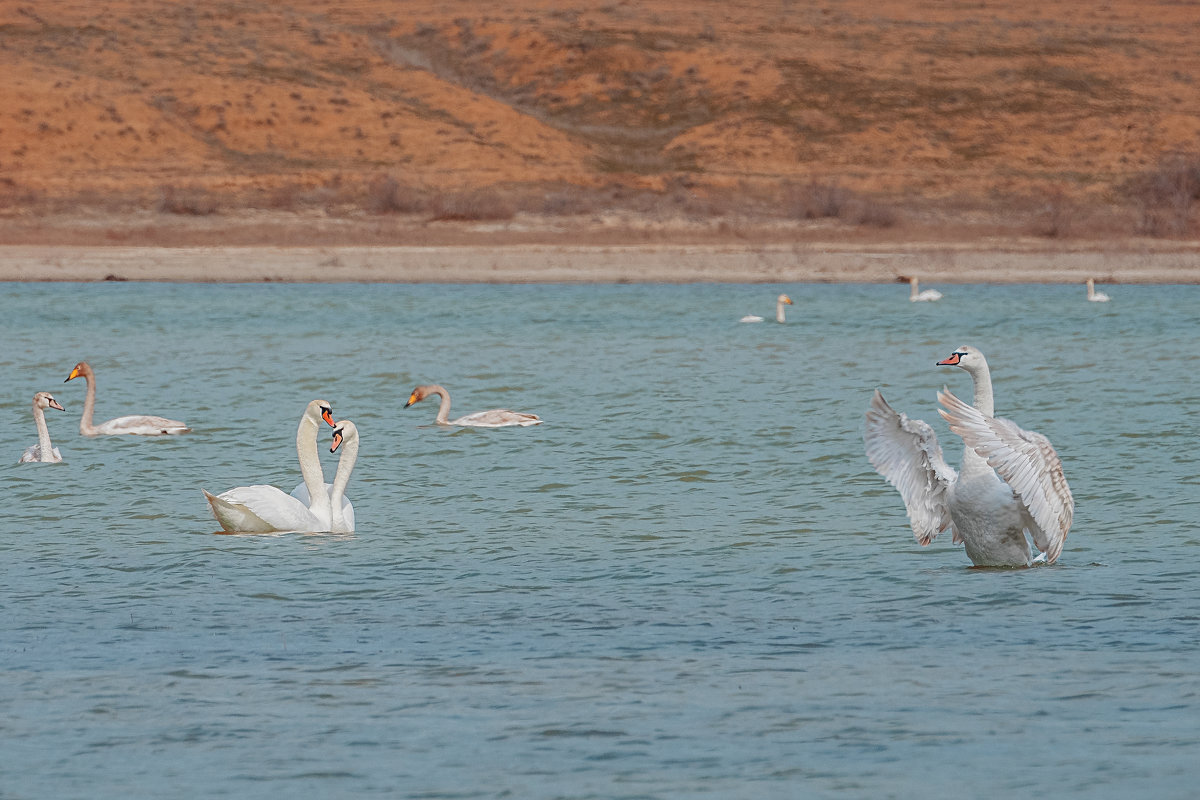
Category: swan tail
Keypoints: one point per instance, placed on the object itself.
(235, 517)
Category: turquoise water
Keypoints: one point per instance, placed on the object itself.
(689, 582)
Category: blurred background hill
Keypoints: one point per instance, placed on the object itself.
(847, 117)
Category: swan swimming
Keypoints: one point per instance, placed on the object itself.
(495, 418)
(43, 452)
(780, 302)
(138, 424)
(345, 433)
(1011, 480)
(1093, 295)
(927, 296)
(266, 509)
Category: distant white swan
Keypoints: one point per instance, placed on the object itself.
(265, 509)
(927, 296)
(345, 433)
(780, 302)
(43, 452)
(139, 424)
(988, 512)
(1093, 295)
(496, 418)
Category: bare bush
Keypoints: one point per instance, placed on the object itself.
(386, 195)
(815, 200)
(193, 200)
(472, 206)
(1164, 197)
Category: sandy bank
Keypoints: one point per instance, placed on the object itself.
(1010, 261)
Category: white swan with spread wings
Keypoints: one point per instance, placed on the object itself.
(1011, 480)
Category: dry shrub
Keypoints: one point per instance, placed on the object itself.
(1054, 220)
(1164, 197)
(816, 200)
(472, 206)
(386, 195)
(874, 214)
(193, 200)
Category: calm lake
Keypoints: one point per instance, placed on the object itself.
(688, 582)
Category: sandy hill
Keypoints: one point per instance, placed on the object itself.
(473, 110)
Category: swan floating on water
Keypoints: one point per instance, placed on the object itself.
(927, 296)
(780, 302)
(1011, 480)
(495, 418)
(266, 509)
(1093, 295)
(43, 452)
(345, 433)
(138, 424)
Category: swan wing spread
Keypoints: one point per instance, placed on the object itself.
(497, 418)
(1027, 463)
(261, 508)
(141, 425)
(906, 452)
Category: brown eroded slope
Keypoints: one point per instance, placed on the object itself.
(122, 103)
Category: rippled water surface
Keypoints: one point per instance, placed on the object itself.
(689, 582)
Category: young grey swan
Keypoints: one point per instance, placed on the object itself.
(496, 418)
(43, 452)
(137, 424)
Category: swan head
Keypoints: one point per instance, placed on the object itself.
(966, 357)
(421, 392)
(44, 400)
(82, 368)
(319, 410)
(783, 298)
(344, 431)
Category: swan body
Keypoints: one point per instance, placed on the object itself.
(138, 424)
(264, 509)
(345, 433)
(43, 452)
(780, 302)
(495, 418)
(1093, 295)
(1010, 482)
(927, 296)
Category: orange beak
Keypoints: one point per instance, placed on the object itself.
(412, 398)
(74, 374)
(327, 415)
(337, 441)
(951, 361)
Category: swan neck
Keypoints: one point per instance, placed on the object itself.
(1091, 284)
(779, 311)
(443, 415)
(45, 449)
(310, 468)
(342, 478)
(984, 400)
(89, 406)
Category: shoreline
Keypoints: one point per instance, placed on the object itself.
(1006, 261)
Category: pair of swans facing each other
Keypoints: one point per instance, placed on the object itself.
(313, 506)
(43, 452)
(780, 302)
(136, 425)
(1011, 480)
(495, 418)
